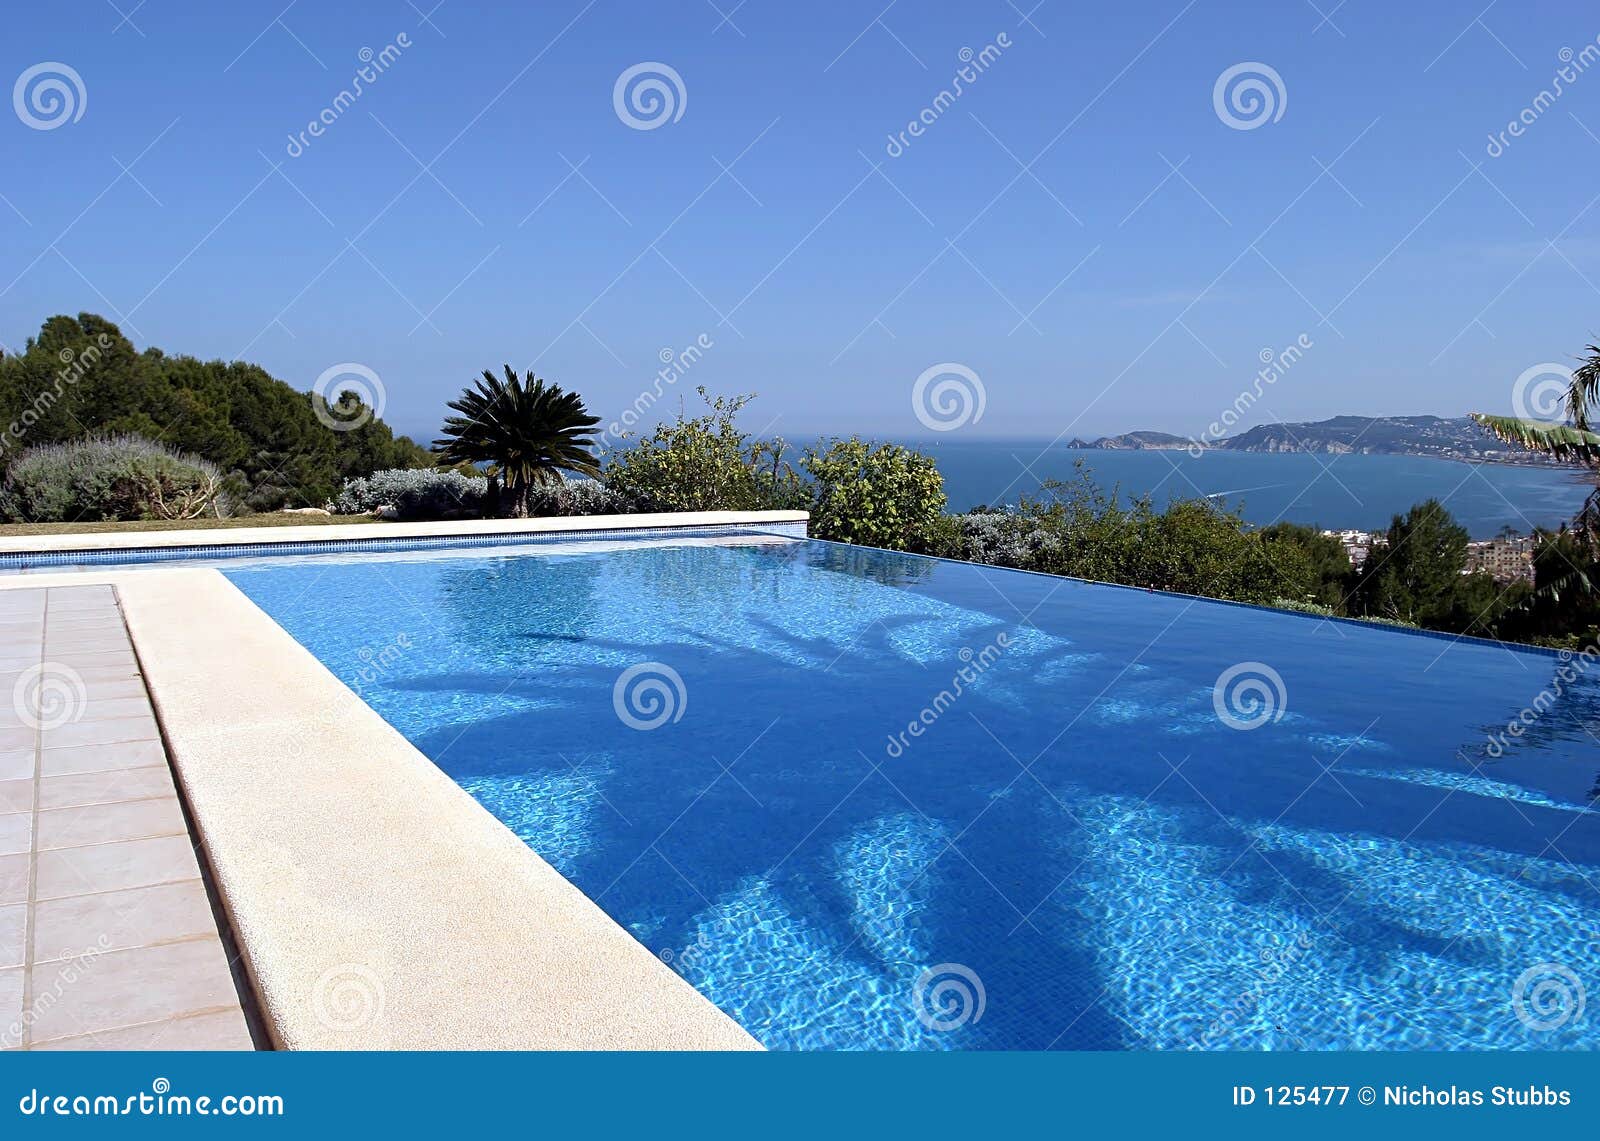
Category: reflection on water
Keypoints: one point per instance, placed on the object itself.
(1111, 865)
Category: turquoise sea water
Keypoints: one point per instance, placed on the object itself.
(868, 800)
(1326, 491)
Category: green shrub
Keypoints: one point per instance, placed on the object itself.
(878, 496)
(705, 463)
(112, 478)
(1075, 528)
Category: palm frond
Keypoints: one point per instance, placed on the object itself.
(1564, 442)
(1585, 388)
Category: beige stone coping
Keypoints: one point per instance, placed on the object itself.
(335, 532)
(377, 905)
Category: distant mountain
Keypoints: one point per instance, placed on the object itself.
(1137, 442)
(1436, 436)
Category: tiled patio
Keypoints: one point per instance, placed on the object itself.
(107, 936)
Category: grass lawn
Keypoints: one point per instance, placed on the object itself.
(274, 519)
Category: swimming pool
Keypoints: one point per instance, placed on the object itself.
(869, 800)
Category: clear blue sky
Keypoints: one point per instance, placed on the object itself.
(823, 285)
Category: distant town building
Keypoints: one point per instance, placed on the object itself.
(1508, 558)
(1357, 544)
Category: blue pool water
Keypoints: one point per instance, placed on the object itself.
(1086, 845)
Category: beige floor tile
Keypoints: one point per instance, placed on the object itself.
(113, 867)
(127, 988)
(79, 600)
(224, 1030)
(94, 731)
(16, 796)
(101, 788)
(13, 880)
(118, 920)
(16, 764)
(108, 823)
(10, 1006)
(16, 833)
(122, 688)
(101, 758)
(16, 738)
(13, 935)
(98, 708)
(84, 625)
(86, 664)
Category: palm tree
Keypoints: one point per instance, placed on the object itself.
(530, 431)
(1572, 442)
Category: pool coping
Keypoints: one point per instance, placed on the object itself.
(134, 541)
(429, 926)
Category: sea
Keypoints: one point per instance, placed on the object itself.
(1363, 492)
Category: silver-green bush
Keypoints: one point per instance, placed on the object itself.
(109, 478)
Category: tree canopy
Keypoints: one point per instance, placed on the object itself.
(80, 376)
